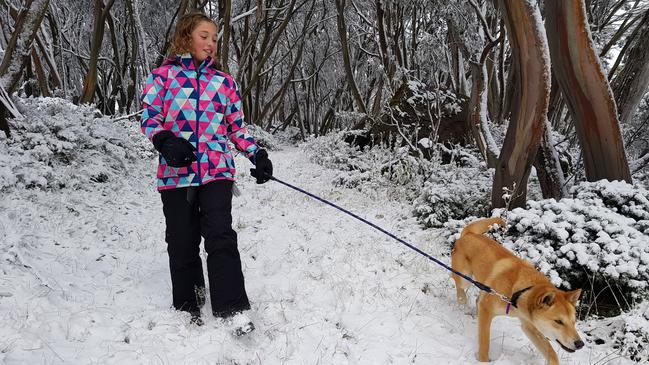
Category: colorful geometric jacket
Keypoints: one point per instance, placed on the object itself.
(204, 107)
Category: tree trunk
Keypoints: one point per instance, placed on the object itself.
(40, 74)
(225, 13)
(18, 51)
(344, 44)
(270, 47)
(90, 81)
(46, 51)
(162, 54)
(478, 120)
(586, 90)
(631, 83)
(117, 81)
(6, 106)
(133, 79)
(548, 167)
(531, 64)
(457, 50)
(547, 163)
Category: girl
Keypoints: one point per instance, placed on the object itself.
(191, 109)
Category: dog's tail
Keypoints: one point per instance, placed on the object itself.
(481, 226)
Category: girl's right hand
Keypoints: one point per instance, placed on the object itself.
(178, 152)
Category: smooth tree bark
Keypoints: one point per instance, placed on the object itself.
(384, 51)
(18, 51)
(7, 107)
(630, 85)
(344, 44)
(548, 165)
(182, 8)
(40, 74)
(478, 119)
(274, 37)
(586, 90)
(225, 15)
(134, 78)
(531, 67)
(90, 81)
(478, 102)
(17, 54)
(279, 95)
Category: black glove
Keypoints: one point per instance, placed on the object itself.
(177, 151)
(264, 169)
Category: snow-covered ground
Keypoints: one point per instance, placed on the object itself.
(84, 277)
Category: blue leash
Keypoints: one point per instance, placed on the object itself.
(478, 284)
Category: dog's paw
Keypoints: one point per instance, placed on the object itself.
(482, 357)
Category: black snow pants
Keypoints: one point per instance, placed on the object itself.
(189, 214)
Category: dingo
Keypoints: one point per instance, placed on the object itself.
(546, 313)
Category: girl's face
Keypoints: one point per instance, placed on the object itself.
(203, 41)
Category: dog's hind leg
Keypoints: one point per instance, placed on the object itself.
(460, 264)
(541, 343)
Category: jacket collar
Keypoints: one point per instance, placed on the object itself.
(186, 61)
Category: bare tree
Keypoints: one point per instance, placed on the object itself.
(90, 82)
(531, 67)
(632, 81)
(586, 90)
(225, 15)
(18, 52)
(344, 44)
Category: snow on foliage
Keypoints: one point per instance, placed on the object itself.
(448, 100)
(425, 183)
(438, 192)
(600, 234)
(265, 139)
(629, 332)
(68, 149)
(442, 198)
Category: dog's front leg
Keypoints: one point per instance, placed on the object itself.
(485, 315)
(541, 343)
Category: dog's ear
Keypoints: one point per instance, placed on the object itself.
(547, 299)
(573, 296)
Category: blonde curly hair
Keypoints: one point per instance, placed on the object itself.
(182, 41)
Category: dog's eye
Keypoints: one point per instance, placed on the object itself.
(559, 322)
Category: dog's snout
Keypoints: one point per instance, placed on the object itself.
(579, 344)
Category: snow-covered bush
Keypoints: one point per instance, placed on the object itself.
(628, 332)
(452, 193)
(333, 152)
(439, 192)
(371, 167)
(633, 336)
(58, 144)
(265, 139)
(360, 169)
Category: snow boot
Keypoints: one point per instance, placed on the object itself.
(196, 318)
(240, 324)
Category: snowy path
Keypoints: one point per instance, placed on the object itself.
(85, 280)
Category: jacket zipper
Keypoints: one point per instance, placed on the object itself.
(198, 99)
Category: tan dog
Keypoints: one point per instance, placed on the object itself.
(546, 313)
